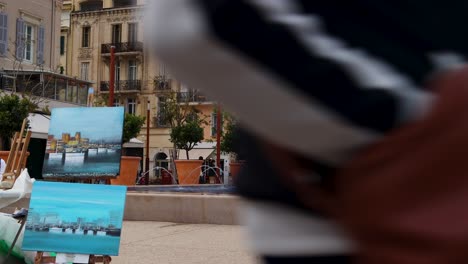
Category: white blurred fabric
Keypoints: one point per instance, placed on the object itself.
(22, 186)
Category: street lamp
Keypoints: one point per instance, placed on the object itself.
(147, 142)
(111, 77)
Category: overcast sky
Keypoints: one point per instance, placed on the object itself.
(95, 123)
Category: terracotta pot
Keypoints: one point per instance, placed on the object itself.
(234, 168)
(128, 171)
(4, 155)
(188, 171)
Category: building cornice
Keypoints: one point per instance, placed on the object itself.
(111, 15)
(108, 11)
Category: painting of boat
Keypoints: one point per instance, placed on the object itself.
(92, 152)
(55, 230)
(55, 156)
(102, 150)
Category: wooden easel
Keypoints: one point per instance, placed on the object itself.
(40, 259)
(16, 161)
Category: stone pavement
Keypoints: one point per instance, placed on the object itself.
(162, 242)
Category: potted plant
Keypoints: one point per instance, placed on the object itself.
(185, 123)
(128, 164)
(228, 145)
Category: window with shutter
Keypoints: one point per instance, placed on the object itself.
(85, 37)
(131, 106)
(62, 45)
(214, 120)
(40, 45)
(132, 32)
(3, 34)
(132, 70)
(28, 42)
(20, 39)
(84, 71)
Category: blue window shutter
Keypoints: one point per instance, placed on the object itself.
(3, 33)
(213, 124)
(40, 45)
(20, 39)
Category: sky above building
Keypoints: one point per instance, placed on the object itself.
(95, 123)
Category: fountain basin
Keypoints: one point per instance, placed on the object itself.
(195, 189)
(200, 204)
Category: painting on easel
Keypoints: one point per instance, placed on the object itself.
(84, 143)
(75, 218)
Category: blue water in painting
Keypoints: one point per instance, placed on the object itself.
(99, 165)
(71, 243)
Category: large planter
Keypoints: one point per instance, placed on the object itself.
(234, 168)
(4, 155)
(128, 171)
(188, 171)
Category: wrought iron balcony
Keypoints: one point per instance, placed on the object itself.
(193, 96)
(122, 86)
(162, 85)
(122, 47)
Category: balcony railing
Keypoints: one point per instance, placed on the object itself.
(122, 86)
(162, 85)
(122, 47)
(193, 96)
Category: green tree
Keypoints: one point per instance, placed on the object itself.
(13, 110)
(229, 136)
(187, 135)
(184, 120)
(132, 126)
(227, 141)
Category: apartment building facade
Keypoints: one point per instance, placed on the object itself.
(98, 25)
(29, 53)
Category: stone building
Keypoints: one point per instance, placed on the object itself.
(94, 27)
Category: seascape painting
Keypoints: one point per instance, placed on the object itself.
(75, 218)
(84, 142)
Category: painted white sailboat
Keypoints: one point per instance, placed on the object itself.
(55, 230)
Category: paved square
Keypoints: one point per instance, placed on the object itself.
(160, 242)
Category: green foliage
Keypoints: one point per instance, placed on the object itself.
(184, 120)
(13, 110)
(228, 137)
(132, 126)
(101, 100)
(46, 110)
(227, 142)
(186, 136)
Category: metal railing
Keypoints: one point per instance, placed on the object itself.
(122, 86)
(122, 47)
(191, 96)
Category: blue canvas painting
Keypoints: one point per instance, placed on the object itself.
(84, 142)
(75, 218)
